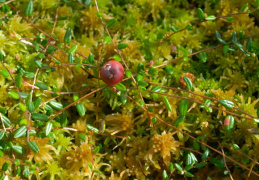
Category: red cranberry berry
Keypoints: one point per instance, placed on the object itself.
(112, 73)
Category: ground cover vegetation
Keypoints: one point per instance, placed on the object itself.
(186, 107)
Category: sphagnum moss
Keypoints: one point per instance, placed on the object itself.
(53, 51)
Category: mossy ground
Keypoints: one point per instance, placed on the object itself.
(51, 54)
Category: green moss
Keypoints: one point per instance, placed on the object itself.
(129, 144)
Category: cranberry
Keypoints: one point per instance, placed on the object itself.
(112, 73)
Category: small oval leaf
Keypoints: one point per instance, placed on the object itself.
(188, 82)
(20, 132)
(107, 40)
(68, 36)
(48, 128)
(33, 146)
(226, 103)
(80, 108)
(42, 85)
(56, 105)
(29, 8)
(14, 95)
(167, 104)
(183, 107)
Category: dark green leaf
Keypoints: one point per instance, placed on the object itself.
(41, 117)
(150, 109)
(70, 57)
(234, 37)
(226, 103)
(3, 110)
(183, 107)
(225, 49)
(19, 149)
(56, 105)
(14, 95)
(37, 102)
(38, 62)
(26, 171)
(123, 96)
(33, 146)
(188, 174)
(122, 45)
(174, 29)
(205, 154)
(63, 118)
(218, 163)
(20, 132)
(57, 61)
(154, 120)
(120, 87)
(167, 104)
(41, 85)
(249, 45)
(2, 133)
(203, 56)
(51, 49)
(151, 71)
(5, 166)
(80, 109)
(7, 121)
(91, 58)
(96, 150)
(68, 36)
(218, 36)
(81, 136)
(189, 27)
(1, 56)
(31, 107)
(196, 145)
(142, 83)
(237, 44)
(200, 13)
(188, 82)
(48, 128)
(29, 8)
(169, 69)
(29, 75)
(178, 167)
(110, 23)
(179, 120)
(201, 165)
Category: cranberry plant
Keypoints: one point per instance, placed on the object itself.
(129, 89)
